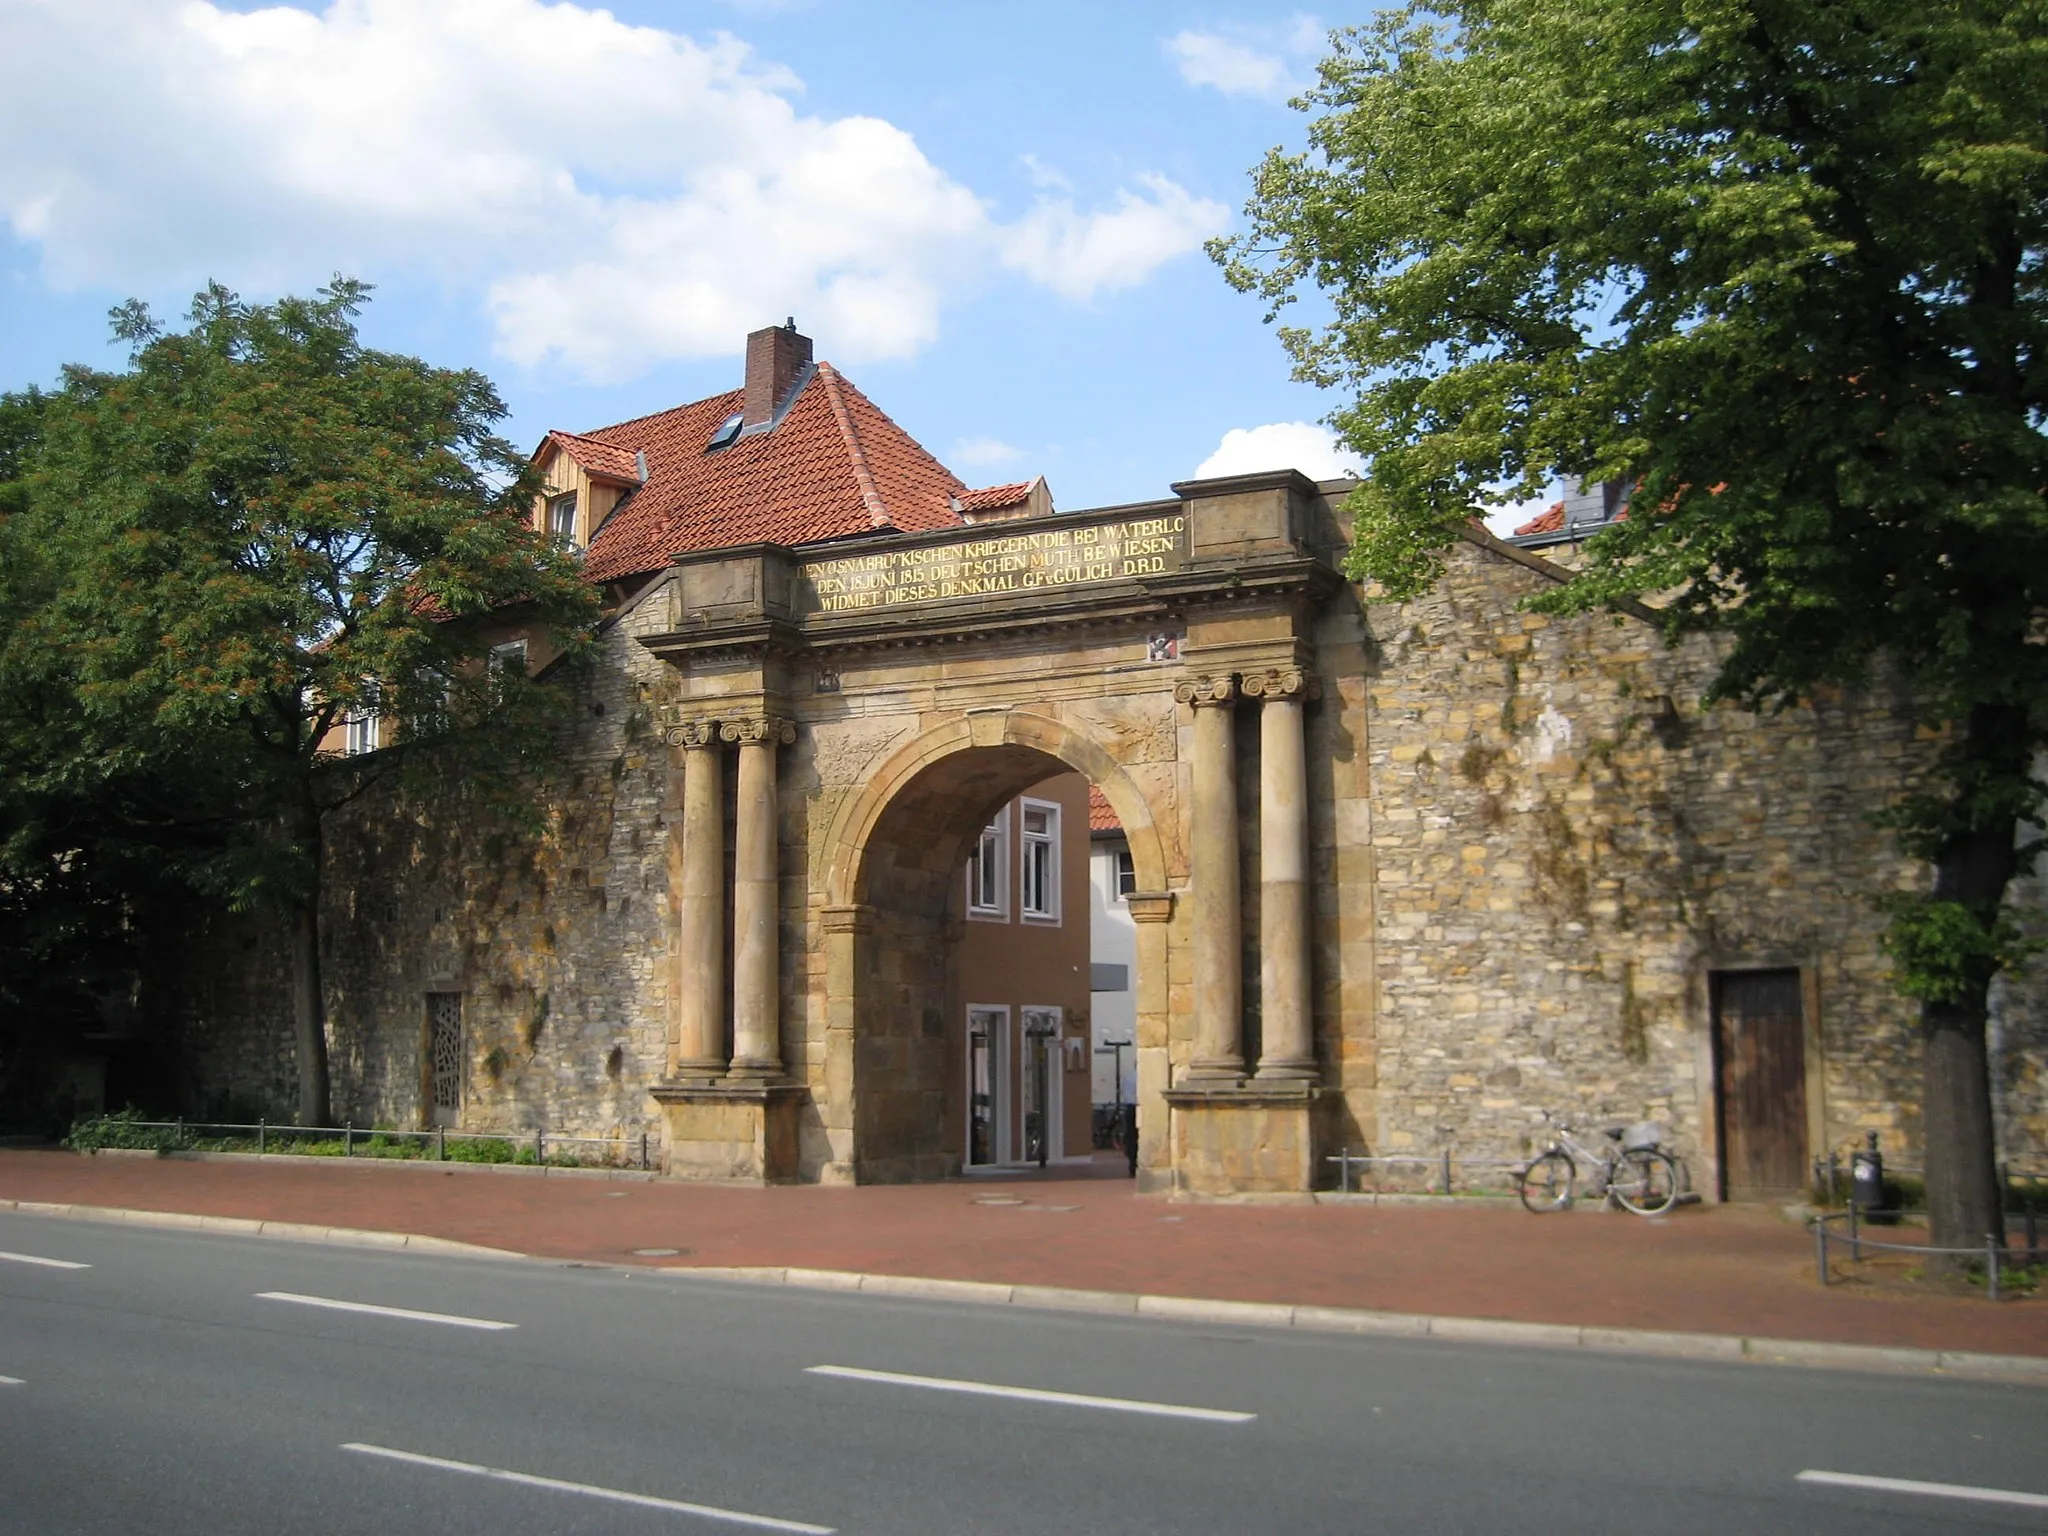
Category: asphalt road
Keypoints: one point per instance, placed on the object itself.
(185, 1383)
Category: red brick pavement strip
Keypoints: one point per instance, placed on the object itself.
(1724, 1270)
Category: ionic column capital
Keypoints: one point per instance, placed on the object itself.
(1282, 683)
(693, 735)
(1207, 691)
(748, 731)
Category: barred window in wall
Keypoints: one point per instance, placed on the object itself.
(986, 874)
(444, 1050)
(359, 726)
(1039, 862)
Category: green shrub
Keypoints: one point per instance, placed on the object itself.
(489, 1150)
(126, 1129)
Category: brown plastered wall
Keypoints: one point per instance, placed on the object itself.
(1033, 965)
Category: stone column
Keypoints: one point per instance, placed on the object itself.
(1219, 980)
(756, 902)
(700, 936)
(1287, 1050)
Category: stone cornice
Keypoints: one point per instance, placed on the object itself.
(1149, 906)
(849, 919)
(1136, 604)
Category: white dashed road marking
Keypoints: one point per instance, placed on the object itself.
(1926, 1490)
(404, 1313)
(1034, 1394)
(37, 1259)
(592, 1491)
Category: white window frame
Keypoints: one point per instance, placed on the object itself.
(991, 847)
(1126, 872)
(1029, 844)
(509, 654)
(359, 731)
(558, 504)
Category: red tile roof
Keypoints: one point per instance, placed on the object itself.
(994, 497)
(1100, 817)
(604, 460)
(1550, 521)
(832, 466)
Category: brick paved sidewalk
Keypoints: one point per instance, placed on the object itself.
(1705, 1269)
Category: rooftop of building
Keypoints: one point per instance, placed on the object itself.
(797, 455)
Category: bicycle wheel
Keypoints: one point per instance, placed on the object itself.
(1646, 1182)
(1547, 1183)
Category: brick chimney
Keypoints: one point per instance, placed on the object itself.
(774, 359)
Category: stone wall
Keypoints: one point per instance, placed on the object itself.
(1531, 849)
(555, 937)
(1567, 846)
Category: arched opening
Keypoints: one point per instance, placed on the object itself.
(967, 976)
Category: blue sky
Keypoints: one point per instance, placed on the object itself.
(989, 216)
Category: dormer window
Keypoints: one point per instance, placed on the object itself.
(728, 430)
(562, 519)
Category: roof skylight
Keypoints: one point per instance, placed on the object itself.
(728, 429)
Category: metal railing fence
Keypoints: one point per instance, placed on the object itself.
(1998, 1257)
(623, 1150)
(1439, 1176)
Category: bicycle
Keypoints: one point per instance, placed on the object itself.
(1630, 1169)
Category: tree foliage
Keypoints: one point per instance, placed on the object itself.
(1781, 266)
(257, 529)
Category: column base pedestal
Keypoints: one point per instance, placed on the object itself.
(1257, 1138)
(734, 1132)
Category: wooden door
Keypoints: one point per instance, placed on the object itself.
(1760, 1084)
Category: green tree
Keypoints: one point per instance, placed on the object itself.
(258, 530)
(1780, 265)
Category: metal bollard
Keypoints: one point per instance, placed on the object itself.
(440, 1143)
(1991, 1265)
(1447, 1170)
(643, 1151)
(1820, 1249)
(1344, 1169)
(348, 1138)
(540, 1150)
(1855, 1247)
(262, 1137)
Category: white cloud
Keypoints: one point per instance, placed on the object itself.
(1045, 177)
(622, 194)
(1081, 254)
(1259, 62)
(1302, 445)
(983, 453)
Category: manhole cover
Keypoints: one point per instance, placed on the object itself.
(998, 1200)
(659, 1253)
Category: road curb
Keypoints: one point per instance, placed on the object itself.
(1669, 1344)
(2031, 1370)
(244, 1226)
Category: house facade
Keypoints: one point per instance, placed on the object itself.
(1397, 876)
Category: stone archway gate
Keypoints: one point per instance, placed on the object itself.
(841, 721)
